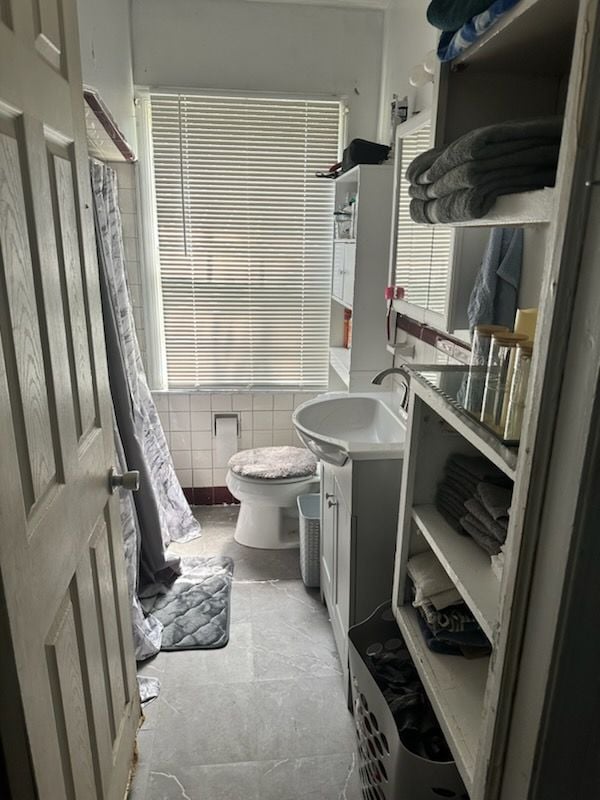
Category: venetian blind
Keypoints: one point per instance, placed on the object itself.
(422, 251)
(245, 238)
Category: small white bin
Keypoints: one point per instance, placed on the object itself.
(309, 509)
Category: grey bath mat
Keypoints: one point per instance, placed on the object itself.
(195, 608)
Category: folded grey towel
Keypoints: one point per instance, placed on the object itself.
(483, 539)
(493, 141)
(452, 498)
(463, 486)
(421, 164)
(485, 520)
(467, 204)
(450, 507)
(477, 468)
(484, 171)
(495, 499)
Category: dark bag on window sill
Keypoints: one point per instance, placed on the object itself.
(360, 151)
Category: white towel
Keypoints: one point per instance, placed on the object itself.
(431, 583)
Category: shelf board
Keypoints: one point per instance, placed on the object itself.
(340, 302)
(527, 208)
(534, 36)
(455, 687)
(339, 358)
(503, 457)
(468, 566)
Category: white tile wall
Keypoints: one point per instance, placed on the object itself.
(191, 436)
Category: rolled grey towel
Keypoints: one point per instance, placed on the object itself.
(493, 141)
(495, 499)
(467, 204)
(473, 174)
(486, 522)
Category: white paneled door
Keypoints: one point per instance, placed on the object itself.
(67, 659)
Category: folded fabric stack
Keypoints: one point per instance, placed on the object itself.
(432, 585)
(463, 180)
(463, 22)
(454, 631)
(475, 498)
(447, 624)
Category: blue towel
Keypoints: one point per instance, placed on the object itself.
(453, 43)
(493, 300)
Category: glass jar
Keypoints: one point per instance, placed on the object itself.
(480, 350)
(518, 391)
(498, 378)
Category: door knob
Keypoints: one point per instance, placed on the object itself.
(328, 495)
(331, 503)
(130, 481)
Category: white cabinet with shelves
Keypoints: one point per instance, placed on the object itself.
(520, 69)
(359, 277)
(455, 685)
(473, 699)
(541, 59)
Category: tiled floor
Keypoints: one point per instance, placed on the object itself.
(263, 719)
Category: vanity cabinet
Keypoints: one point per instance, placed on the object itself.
(359, 515)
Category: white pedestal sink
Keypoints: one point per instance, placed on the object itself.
(337, 427)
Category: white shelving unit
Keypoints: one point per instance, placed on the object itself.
(530, 64)
(437, 429)
(359, 277)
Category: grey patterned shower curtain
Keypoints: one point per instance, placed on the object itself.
(158, 513)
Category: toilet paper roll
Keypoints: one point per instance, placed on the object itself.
(225, 440)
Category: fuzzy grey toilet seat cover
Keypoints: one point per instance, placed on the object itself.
(274, 463)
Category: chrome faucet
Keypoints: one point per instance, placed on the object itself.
(378, 380)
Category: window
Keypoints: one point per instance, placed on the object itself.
(244, 238)
(422, 251)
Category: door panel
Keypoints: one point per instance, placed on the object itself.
(62, 572)
(21, 333)
(65, 675)
(69, 254)
(48, 40)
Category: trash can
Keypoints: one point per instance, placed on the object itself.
(309, 511)
(388, 770)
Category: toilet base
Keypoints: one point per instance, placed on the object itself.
(267, 527)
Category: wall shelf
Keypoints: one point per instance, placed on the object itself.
(340, 302)
(502, 456)
(527, 208)
(455, 687)
(467, 565)
(533, 31)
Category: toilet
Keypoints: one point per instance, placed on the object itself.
(267, 481)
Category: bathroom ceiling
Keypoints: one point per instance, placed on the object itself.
(377, 4)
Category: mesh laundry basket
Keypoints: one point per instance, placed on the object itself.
(388, 770)
(309, 508)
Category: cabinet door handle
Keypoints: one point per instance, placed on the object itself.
(332, 503)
